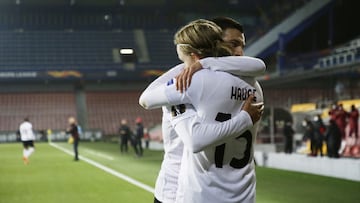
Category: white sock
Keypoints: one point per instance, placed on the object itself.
(30, 151)
(25, 153)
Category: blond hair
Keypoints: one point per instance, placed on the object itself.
(202, 37)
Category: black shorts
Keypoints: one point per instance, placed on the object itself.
(28, 143)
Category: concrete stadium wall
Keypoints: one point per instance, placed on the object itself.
(344, 168)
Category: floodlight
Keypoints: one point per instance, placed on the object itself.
(126, 51)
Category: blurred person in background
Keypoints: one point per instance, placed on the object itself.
(354, 122)
(146, 138)
(125, 135)
(319, 134)
(27, 137)
(332, 111)
(288, 134)
(73, 131)
(340, 119)
(139, 134)
(333, 139)
(309, 135)
(49, 134)
(43, 136)
(351, 148)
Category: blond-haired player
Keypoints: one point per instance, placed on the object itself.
(224, 171)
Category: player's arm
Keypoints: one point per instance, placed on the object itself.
(196, 134)
(163, 95)
(152, 93)
(167, 95)
(165, 77)
(237, 65)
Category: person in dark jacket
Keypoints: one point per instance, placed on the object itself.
(333, 139)
(319, 135)
(289, 134)
(139, 134)
(125, 134)
(309, 135)
(73, 131)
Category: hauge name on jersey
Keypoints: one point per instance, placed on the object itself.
(239, 93)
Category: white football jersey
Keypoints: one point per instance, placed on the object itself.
(26, 131)
(165, 184)
(167, 180)
(222, 173)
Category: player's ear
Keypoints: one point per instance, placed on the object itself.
(194, 56)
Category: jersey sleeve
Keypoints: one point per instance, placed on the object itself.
(196, 134)
(237, 65)
(155, 92)
(167, 95)
(173, 72)
(164, 95)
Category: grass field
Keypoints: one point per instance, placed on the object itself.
(53, 177)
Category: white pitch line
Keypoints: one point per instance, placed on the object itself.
(107, 169)
(99, 154)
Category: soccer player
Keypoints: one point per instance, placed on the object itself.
(234, 34)
(27, 138)
(166, 184)
(219, 173)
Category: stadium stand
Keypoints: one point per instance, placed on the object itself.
(45, 110)
(51, 110)
(344, 54)
(106, 109)
(59, 49)
(161, 47)
(33, 50)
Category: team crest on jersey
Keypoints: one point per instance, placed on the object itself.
(178, 110)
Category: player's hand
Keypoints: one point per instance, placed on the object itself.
(255, 110)
(183, 80)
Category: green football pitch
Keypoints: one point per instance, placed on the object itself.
(53, 177)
